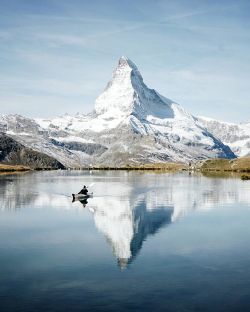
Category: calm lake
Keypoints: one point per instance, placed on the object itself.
(146, 241)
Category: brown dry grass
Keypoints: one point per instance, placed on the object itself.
(13, 168)
(241, 164)
(156, 166)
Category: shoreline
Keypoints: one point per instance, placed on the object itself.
(217, 165)
(13, 168)
(4, 168)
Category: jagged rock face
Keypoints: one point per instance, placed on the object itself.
(131, 124)
(19, 124)
(44, 139)
(160, 129)
(236, 136)
(90, 149)
(14, 153)
(118, 96)
(127, 95)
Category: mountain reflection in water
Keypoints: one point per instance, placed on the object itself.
(127, 227)
(141, 208)
(126, 208)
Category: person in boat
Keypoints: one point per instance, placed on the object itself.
(84, 190)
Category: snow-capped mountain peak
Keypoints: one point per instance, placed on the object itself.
(125, 69)
(118, 96)
(126, 94)
(132, 124)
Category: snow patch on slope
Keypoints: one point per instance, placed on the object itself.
(236, 136)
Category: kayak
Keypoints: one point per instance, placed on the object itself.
(82, 196)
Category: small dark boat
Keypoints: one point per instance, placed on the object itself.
(81, 196)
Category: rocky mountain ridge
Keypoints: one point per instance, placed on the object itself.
(14, 153)
(236, 136)
(131, 124)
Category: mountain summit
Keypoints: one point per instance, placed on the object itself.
(130, 125)
(126, 94)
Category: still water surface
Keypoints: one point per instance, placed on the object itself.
(144, 242)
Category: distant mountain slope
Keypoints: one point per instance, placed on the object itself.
(236, 136)
(14, 153)
(71, 151)
(131, 124)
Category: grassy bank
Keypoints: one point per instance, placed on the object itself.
(13, 168)
(218, 165)
(158, 166)
(20, 168)
(241, 164)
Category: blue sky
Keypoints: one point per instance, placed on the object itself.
(56, 56)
